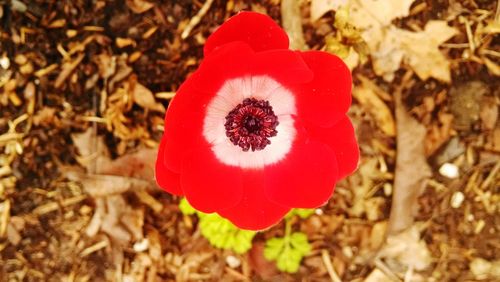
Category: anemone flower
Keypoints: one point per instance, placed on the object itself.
(258, 129)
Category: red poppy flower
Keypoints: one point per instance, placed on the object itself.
(258, 129)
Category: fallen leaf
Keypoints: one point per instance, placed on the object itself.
(374, 105)
(390, 46)
(483, 269)
(411, 171)
(321, 7)
(100, 185)
(139, 6)
(377, 275)
(93, 153)
(407, 249)
(145, 98)
(424, 58)
(265, 268)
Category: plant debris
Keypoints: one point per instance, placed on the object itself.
(84, 88)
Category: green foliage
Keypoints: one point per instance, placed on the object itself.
(302, 213)
(186, 208)
(220, 232)
(287, 251)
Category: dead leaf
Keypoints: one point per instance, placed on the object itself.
(321, 7)
(291, 20)
(93, 152)
(411, 171)
(98, 185)
(376, 107)
(266, 269)
(139, 6)
(483, 269)
(390, 46)
(377, 275)
(144, 97)
(407, 249)
(424, 58)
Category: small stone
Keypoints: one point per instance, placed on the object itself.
(141, 246)
(457, 199)
(4, 62)
(449, 170)
(233, 261)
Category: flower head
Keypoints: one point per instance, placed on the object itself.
(258, 129)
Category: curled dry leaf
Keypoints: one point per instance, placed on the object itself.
(144, 97)
(372, 103)
(139, 6)
(321, 7)
(407, 249)
(93, 152)
(412, 169)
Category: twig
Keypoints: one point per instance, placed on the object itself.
(386, 270)
(196, 19)
(329, 267)
(292, 23)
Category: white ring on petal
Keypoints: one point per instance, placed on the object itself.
(230, 95)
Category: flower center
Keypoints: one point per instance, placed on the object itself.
(251, 124)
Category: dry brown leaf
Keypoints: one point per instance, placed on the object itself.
(424, 58)
(407, 249)
(376, 107)
(377, 275)
(145, 98)
(411, 171)
(292, 23)
(265, 268)
(98, 185)
(93, 153)
(139, 165)
(389, 45)
(483, 269)
(139, 6)
(321, 7)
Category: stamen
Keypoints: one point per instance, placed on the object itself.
(250, 124)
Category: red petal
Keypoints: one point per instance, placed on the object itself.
(255, 211)
(285, 66)
(166, 179)
(341, 138)
(208, 184)
(327, 97)
(185, 114)
(257, 30)
(305, 178)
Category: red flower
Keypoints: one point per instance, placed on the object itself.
(258, 129)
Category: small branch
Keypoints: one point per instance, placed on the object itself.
(327, 261)
(196, 19)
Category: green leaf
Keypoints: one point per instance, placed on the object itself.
(221, 233)
(289, 261)
(287, 251)
(302, 213)
(299, 242)
(273, 248)
(186, 208)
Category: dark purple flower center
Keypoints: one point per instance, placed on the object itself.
(251, 124)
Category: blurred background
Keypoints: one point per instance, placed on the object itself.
(83, 90)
